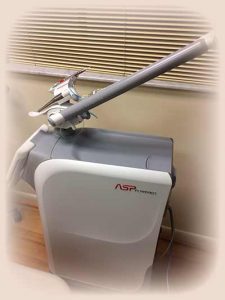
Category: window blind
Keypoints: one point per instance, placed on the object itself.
(116, 41)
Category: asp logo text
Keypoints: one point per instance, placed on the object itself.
(129, 188)
(125, 187)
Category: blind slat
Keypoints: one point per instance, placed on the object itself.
(116, 31)
(114, 24)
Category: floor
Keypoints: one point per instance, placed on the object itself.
(188, 268)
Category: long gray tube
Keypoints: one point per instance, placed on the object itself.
(163, 65)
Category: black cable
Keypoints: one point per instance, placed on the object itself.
(170, 247)
(168, 251)
(169, 209)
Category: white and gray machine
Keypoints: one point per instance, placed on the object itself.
(102, 194)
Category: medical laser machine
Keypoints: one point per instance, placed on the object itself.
(102, 194)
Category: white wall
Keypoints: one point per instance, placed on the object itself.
(189, 118)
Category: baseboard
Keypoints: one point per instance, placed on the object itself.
(190, 239)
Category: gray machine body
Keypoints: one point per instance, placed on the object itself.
(102, 195)
(104, 147)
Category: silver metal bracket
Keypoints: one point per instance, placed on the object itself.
(64, 91)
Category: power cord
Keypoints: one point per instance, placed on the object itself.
(168, 250)
(172, 227)
(170, 247)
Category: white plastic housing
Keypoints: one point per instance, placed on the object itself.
(97, 229)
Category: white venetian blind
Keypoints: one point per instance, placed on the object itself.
(116, 41)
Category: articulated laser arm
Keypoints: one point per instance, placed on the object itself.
(61, 113)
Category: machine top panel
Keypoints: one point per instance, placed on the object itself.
(116, 148)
